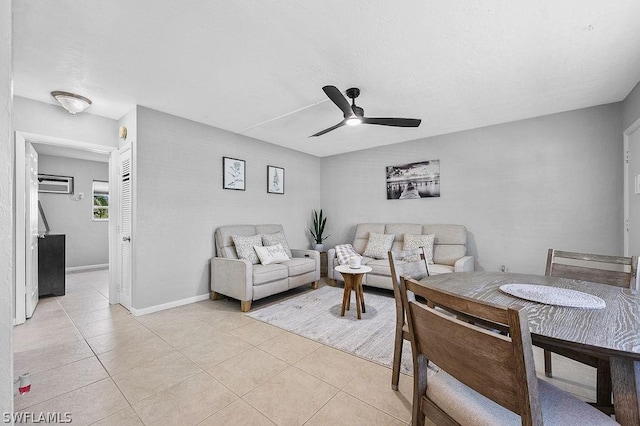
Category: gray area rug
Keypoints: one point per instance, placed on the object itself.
(316, 316)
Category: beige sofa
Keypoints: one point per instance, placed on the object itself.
(449, 250)
(242, 280)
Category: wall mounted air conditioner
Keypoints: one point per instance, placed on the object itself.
(55, 184)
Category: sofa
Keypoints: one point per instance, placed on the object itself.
(449, 251)
(239, 278)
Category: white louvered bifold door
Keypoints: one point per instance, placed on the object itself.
(125, 228)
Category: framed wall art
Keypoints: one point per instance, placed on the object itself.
(414, 180)
(233, 174)
(275, 180)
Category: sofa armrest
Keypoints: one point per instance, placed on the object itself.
(331, 256)
(312, 254)
(232, 277)
(464, 264)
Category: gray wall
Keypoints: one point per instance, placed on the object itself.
(520, 188)
(631, 108)
(87, 241)
(6, 209)
(180, 201)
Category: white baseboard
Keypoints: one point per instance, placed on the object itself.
(86, 267)
(174, 304)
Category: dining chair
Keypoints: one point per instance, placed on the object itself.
(413, 263)
(618, 271)
(485, 378)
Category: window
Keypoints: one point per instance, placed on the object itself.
(100, 200)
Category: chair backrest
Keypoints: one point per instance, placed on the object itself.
(411, 263)
(500, 367)
(619, 271)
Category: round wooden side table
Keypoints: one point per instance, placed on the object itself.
(353, 281)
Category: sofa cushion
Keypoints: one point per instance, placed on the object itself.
(271, 254)
(416, 241)
(244, 247)
(362, 235)
(379, 245)
(379, 267)
(276, 238)
(224, 240)
(437, 268)
(267, 273)
(300, 265)
(399, 229)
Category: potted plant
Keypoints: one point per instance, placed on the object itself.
(319, 222)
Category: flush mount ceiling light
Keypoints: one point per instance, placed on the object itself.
(71, 102)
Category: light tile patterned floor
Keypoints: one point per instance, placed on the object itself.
(204, 363)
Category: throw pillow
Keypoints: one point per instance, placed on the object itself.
(344, 252)
(271, 254)
(244, 247)
(276, 238)
(379, 245)
(416, 241)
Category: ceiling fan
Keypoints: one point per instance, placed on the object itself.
(354, 115)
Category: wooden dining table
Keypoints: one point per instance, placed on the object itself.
(613, 331)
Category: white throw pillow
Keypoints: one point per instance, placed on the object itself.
(344, 252)
(416, 241)
(271, 254)
(379, 245)
(244, 247)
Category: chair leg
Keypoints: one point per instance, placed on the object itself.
(603, 383)
(245, 305)
(547, 364)
(397, 357)
(314, 285)
(332, 282)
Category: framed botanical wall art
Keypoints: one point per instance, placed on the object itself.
(275, 180)
(414, 180)
(233, 174)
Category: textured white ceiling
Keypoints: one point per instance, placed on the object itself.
(257, 67)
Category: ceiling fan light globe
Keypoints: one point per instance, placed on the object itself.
(353, 121)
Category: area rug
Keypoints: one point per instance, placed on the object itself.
(316, 316)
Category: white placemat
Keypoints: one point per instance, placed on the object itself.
(554, 295)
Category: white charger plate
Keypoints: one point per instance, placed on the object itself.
(554, 296)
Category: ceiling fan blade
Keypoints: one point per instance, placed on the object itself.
(322, 132)
(397, 122)
(338, 98)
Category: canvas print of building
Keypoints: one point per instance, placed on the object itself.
(415, 180)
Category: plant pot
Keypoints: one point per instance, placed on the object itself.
(319, 247)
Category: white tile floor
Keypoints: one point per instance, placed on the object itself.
(204, 363)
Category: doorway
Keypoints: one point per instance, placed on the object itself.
(25, 191)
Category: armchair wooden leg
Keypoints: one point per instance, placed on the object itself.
(245, 305)
(217, 296)
(314, 285)
(332, 282)
(547, 364)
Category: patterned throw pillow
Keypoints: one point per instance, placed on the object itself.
(276, 238)
(379, 245)
(244, 247)
(344, 252)
(271, 254)
(416, 241)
